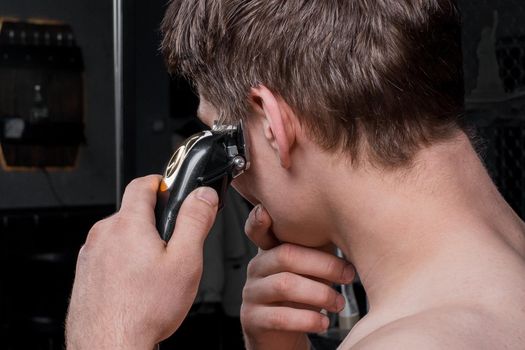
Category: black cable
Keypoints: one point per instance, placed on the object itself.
(56, 196)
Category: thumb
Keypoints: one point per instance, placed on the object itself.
(194, 221)
(258, 228)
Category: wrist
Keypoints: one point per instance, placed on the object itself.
(108, 341)
(93, 344)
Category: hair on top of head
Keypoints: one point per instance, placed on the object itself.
(386, 74)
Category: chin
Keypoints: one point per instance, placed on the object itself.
(287, 226)
(298, 234)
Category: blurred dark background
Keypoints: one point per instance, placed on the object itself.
(78, 121)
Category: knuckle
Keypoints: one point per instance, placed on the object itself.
(328, 296)
(83, 255)
(133, 184)
(106, 229)
(283, 283)
(277, 321)
(99, 226)
(119, 223)
(95, 234)
(247, 316)
(285, 254)
(244, 313)
(252, 267)
(247, 292)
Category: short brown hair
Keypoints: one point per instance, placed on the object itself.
(386, 72)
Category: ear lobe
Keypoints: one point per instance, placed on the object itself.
(277, 127)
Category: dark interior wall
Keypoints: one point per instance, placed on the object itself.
(494, 67)
(479, 14)
(92, 181)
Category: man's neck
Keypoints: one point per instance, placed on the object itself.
(393, 225)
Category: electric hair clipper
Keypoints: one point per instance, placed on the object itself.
(211, 158)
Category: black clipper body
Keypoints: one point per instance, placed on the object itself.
(210, 158)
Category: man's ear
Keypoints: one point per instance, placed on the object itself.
(277, 123)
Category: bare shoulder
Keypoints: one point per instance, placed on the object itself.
(442, 328)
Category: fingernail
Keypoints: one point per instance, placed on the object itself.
(349, 273)
(208, 195)
(339, 302)
(258, 209)
(325, 322)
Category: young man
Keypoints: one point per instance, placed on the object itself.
(352, 110)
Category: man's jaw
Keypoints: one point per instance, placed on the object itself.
(250, 198)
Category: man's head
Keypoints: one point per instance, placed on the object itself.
(372, 80)
(383, 76)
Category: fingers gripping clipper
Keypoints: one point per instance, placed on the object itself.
(211, 158)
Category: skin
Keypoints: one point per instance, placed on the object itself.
(132, 290)
(286, 288)
(439, 252)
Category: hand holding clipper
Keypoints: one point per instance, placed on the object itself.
(211, 158)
